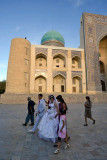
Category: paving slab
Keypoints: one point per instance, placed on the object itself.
(86, 143)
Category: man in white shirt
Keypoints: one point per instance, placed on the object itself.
(40, 112)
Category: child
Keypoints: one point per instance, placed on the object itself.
(62, 131)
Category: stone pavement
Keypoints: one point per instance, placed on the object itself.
(87, 143)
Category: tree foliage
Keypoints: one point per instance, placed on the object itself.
(2, 87)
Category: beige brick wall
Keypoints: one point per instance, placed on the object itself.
(65, 67)
(18, 74)
(24, 71)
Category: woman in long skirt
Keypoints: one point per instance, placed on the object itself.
(88, 114)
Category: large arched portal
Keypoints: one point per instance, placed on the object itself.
(40, 84)
(59, 83)
(103, 62)
(76, 84)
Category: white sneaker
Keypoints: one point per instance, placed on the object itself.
(31, 131)
(57, 151)
(67, 146)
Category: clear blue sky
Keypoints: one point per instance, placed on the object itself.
(32, 18)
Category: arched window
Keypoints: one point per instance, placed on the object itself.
(76, 62)
(41, 60)
(59, 61)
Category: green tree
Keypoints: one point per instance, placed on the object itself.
(2, 87)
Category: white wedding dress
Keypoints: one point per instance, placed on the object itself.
(49, 125)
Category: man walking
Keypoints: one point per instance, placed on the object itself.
(40, 112)
(30, 115)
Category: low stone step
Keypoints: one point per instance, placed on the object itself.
(69, 98)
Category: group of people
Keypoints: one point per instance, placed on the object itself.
(52, 124)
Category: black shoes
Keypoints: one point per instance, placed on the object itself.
(24, 124)
(85, 124)
(32, 124)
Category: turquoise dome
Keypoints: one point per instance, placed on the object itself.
(51, 36)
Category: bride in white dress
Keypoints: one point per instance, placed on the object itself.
(49, 123)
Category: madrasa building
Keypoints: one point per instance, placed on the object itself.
(54, 68)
